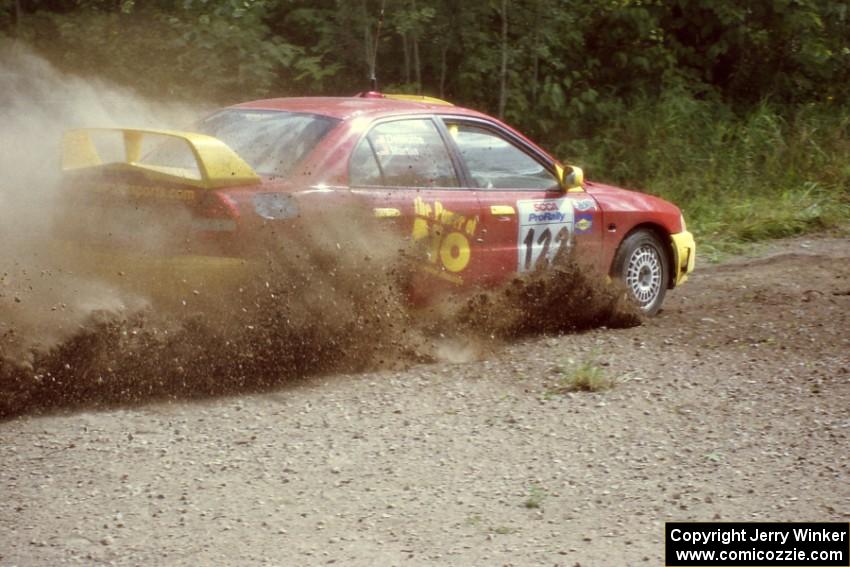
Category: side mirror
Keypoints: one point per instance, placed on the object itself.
(572, 178)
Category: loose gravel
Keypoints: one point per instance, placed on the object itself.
(731, 405)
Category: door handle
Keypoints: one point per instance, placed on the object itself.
(386, 213)
(502, 210)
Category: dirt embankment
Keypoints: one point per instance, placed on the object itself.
(730, 405)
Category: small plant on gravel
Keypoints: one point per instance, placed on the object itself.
(503, 530)
(536, 494)
(585, 376)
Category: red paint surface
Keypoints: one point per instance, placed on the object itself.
(320, 184)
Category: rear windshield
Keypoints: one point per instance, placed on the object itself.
(271, 142)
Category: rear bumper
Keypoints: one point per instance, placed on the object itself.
(684, 252)
(159, 276)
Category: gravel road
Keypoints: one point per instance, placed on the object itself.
(731, 405)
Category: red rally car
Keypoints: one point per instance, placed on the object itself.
(486, 202)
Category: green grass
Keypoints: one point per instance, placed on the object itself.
(769, 172)
(585, 376)
(503, 530)
(475, 520)
(536, 496)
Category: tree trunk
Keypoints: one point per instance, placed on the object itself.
(406, 51)
(417, 69)
(503, 90)
(443, 70)
(535, 81)
(367, 41)
(370, 61)
(16, 42)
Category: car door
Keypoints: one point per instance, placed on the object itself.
(410, 180)
(526, 217)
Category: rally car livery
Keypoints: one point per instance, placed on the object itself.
(484, 202)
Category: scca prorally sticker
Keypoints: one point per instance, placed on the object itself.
(585, 204)
(545, 227)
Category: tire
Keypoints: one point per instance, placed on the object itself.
(642, 264)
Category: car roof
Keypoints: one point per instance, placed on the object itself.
(374, 105)
(349, 107)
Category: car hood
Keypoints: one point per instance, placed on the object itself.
(613, 199)
(627, 199)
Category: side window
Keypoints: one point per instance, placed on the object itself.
(404, 153)
(364, 168)
(496, 163)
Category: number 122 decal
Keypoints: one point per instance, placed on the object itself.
(545, 228)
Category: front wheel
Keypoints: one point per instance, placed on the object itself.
(641, 263)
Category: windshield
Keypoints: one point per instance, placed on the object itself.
(271, 142)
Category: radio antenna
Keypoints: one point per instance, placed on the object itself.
(373, 78)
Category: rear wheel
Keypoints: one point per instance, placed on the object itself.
(641, 263)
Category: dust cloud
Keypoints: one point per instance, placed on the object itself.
(331, 301)
(43, 301)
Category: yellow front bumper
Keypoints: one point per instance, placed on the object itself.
(685, 252)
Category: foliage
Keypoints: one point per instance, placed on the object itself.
(736, 110)
(585, 376)
(771, 171)
(566, 57)
(536, 495)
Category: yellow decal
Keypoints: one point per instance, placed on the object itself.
(454, 251)
(583, 224)
(384, 213)
(503, 210)
(449, 232)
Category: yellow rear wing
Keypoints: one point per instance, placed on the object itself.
(217, 164)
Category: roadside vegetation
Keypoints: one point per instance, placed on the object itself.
(772, 171)
(738, 112)
(582, 376)
(536, 496)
